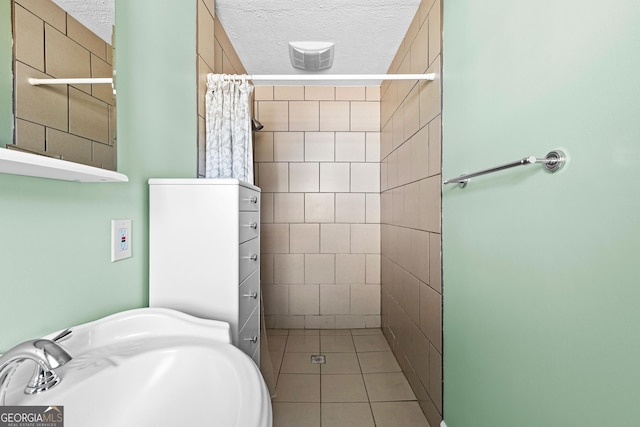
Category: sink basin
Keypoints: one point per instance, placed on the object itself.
(151, 367)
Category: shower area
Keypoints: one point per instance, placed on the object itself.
(351, 217)
(350, 203)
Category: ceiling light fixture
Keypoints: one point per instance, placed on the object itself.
(311, 56)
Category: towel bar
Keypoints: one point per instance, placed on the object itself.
(553, 162)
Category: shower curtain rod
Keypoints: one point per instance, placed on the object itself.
(72, 81)
(320, 77)
(258, 77)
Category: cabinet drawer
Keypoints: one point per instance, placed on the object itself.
(249, 336)
(249, 199)
(249, 225)
(249, 258)
(249, 296)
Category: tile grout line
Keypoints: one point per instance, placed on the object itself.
(320, 352)
(365, 384)
(286, 342)
(363, 381)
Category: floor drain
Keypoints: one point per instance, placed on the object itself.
(318, 358)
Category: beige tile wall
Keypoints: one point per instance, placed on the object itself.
(318, 164)
(76, 123)
(410, 202)
(215, 55)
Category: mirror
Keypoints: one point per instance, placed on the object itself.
(72, 122)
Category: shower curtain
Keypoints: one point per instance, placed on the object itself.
(229, 151)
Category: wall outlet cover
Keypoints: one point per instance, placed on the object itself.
(120, 239)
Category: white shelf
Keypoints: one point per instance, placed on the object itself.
(20, 163)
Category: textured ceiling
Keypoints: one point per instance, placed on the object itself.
(96, 15)
(366, 33)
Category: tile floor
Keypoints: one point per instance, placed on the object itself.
(360, 385)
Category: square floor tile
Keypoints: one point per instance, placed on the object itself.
(335, 332)
(341, 363)
(298, 388)
(343, 388)
(336, 344)
(346, 415)
(394, 414)
(388, 387)
(296, 414)
(277, 343)
(367, 331)
(277, 332)
(378, 362)
(298, 363)
(303, 344)
(371, 343)
(311, 332)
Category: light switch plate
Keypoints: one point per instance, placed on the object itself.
(120, 239)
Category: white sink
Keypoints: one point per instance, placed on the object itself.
(152, 367)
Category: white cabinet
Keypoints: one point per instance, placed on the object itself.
(204, 253)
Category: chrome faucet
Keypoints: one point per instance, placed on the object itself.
(48, 356)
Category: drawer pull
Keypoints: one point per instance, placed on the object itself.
(254, 225)
(253, 200)
(253, 295)
(253, 339)
(252, 257)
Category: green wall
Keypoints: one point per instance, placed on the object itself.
(55, 268)
(541, 280)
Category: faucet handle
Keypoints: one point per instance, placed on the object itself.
(63, 336)
(52, 352)
(48, 356)
(44, 377)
